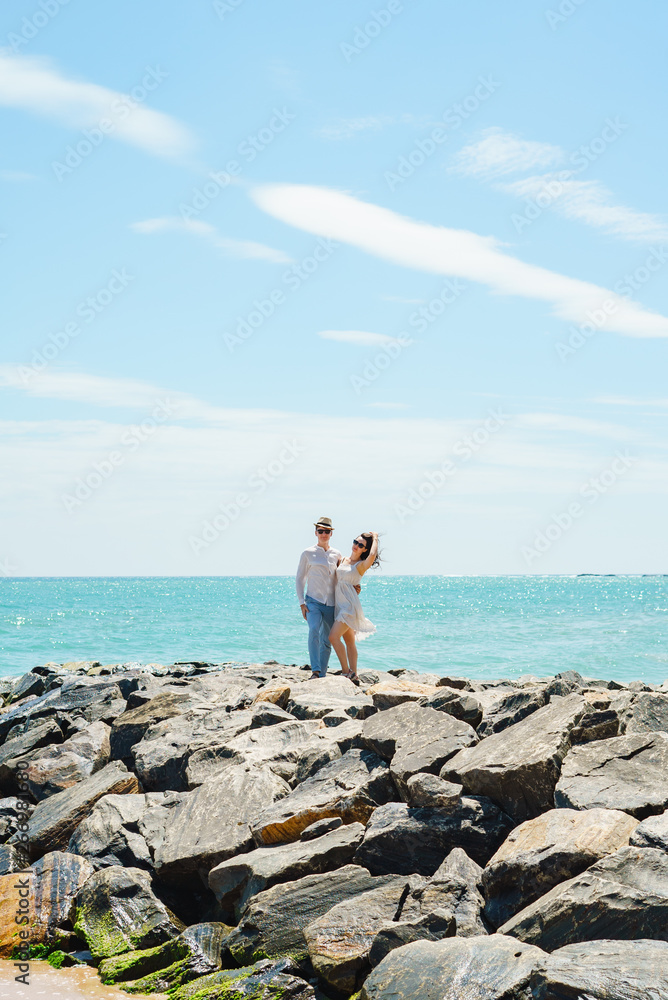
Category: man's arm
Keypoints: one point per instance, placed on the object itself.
(302, 573)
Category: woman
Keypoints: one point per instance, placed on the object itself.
(350, 622)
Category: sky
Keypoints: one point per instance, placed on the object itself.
(402, 265)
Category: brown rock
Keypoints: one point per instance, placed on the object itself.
(275, 693)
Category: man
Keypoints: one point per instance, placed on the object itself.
(317, 573)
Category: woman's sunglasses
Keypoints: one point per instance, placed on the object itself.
(360, 545)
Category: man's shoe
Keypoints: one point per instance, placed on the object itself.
(314, 677)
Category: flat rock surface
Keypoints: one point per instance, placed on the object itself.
(313, 699)
(519, 767)
(625, 894)
(484, 968)
(403, 840)
(234, 881)
(625, 772)
(55, 818)
(606, 970)
(350, 787)
(549, 849)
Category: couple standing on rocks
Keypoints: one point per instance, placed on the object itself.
(331, 604)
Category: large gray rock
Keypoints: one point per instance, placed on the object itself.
(130, 727)
(20, 750)
(79, 699)
(606, 970)
(460, 877)
(54, 820)
(506, 708)
(458, 704)
(625, 772)
(212, 823)
(234, 881)
(473, 968)
(13, 811)
(117, 911)
(403, 840)
(57, 878)
(351, 788)
(519, 767)
(433, 740)
(430, 790)
(60, 767)
(124, 829)
(547, 850)
(626, 894)
(312, 700)
(652, 832)
(648, 713)
(274, 922)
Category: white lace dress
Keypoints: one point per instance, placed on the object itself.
(348, 606)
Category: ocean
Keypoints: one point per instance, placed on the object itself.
(481, 627)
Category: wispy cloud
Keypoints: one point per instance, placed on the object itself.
(34, 85)
(245, 249)
(349, 128)
(630, 401)
(16, 176)
(499, 153)
(590, 202)
(437, 250)
(361, 338)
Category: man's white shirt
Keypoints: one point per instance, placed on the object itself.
(317, 573)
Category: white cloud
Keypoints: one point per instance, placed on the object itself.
(629, 401)
(348, 128)
(590, 202)
(245, 249)
(361, 338)
(456, 252)
(34, 85)
(499, 153)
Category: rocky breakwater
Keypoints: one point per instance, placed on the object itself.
(223, 831)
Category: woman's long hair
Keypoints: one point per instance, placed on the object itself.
(368, 538)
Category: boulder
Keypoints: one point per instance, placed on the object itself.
(25, 686)
(309, 700)
(625, 893)
(648, 713)
(14, 810)
(130, 727)
(547, 850)
(438, 739)
(320, 827)
(652, 832)
(12, 860)
(265, 980)
(54, 820)
(236, 880)
(519, 767)
(60, 767)
(275, 693)
(275, 919)
(212, 823)
(124, 829)
(458, 683)
(194, 953)
(389, 694)
(430, 790)
(475, 968)
(606, 970)
(625, 772)
(22, 747)
(403, 840)
(459, 705)
(460, 877)
(351, 788)
(117, 911)
(312, 759)
(506, 708)
(265, 713)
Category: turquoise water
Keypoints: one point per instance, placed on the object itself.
(483, 627)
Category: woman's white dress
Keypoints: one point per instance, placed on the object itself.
(348, 606)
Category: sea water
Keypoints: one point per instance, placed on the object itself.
(480, 627)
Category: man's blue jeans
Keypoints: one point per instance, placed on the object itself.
(320, 618)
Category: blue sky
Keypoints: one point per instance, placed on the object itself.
(401, 264)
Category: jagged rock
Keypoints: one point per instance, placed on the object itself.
(625, 893)
(265, 979)
(430, 790)
(504, 709)
(212, 823)
(265, 713)
(547, 850)
(460, 706)
(652, 832)
(340, 940)
(12, 860)
(519, 767)
(124, 829)
(117, 911)
(234, 881)
(60, 767)
(21, 747)
(87, 699)
(475, 968)
(52, 823)
(273, 692)
(390, 694)
(29, 684)
(458, 683)
(351, 788)
(309, 700)
(460, 877)
(130, 727)
(646, 714)
(625, 772)
(195, 952)
(606, 970)
(596, 724)
(14, 811)
(428, 748)
(403, 840)
(275, 919)
(320, 827)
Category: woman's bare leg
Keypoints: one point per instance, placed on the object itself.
(351, 648)
(335, 638)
